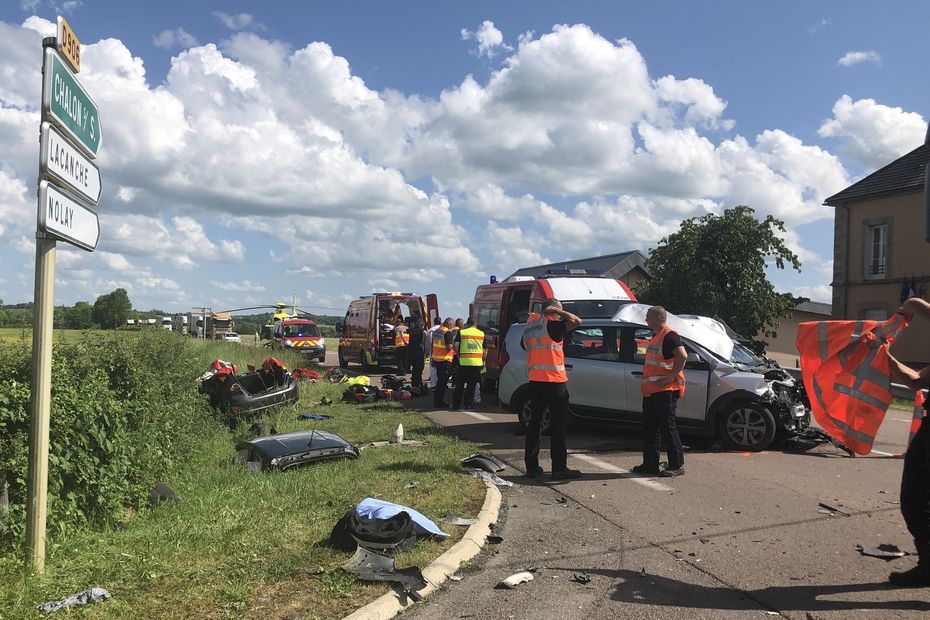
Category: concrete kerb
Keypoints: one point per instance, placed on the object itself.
(390, 604)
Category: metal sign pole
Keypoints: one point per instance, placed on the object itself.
(43, 313)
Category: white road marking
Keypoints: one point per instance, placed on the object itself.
(880, 453)
(477, 416)
(646, 482)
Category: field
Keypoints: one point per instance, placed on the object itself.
(244, 545)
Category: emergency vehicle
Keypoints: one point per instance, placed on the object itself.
(367, 334)
(499, 305)
(301, 336)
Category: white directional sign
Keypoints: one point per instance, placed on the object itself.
(67, 165)
(64, 217)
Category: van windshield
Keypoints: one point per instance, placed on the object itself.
(301, 330)
(594, 308)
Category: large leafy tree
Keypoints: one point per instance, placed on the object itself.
(715, 266)
(111, 310)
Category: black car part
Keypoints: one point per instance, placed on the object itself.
(486, 462)
(372, 566)
(288, 450)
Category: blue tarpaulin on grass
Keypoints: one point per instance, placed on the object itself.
(380, 509)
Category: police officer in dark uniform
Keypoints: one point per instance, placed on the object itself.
(915, 482)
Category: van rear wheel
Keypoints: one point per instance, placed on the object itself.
(747, 426)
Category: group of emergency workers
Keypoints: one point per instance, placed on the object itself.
(455, 348)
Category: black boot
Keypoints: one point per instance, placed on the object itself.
(917, 577)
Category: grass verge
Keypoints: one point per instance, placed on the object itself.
(254, 545)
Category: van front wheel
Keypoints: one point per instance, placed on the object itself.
(747, 426)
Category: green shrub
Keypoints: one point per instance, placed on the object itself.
(124, 416)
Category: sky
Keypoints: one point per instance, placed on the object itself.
(254, 150)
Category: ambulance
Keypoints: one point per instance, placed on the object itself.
(367, 333)
(498, 305)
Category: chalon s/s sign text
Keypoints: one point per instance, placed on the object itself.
(68, 105)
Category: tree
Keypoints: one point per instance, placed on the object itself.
(715, 266)
(78, 316)
(111, 310)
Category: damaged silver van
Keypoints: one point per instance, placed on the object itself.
(729, 392)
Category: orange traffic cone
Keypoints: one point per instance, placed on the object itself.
(919, 400)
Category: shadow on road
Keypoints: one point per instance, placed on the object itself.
(634, 587)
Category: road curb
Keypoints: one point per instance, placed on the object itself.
(390, 604)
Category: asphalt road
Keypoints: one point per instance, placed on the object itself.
(740, 534)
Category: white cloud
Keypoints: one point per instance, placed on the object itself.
(854, 58)
(168, 39)
(822, 292)
(239, 286)
(490, 39)
(115, 262)
(159, 284)
(873, 134)
(234, 22)
(818, 25)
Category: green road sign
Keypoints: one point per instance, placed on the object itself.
(68, 105)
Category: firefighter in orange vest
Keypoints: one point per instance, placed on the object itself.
(548, 386)
(915, 481)
(662, 386)
(441, 353)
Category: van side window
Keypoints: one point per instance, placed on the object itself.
(487, 317)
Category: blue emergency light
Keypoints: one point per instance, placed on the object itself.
(493, 279)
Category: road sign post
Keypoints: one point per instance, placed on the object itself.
(63, 166)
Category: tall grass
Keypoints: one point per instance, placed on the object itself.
(245, 545)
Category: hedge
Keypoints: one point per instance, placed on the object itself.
(123, 417)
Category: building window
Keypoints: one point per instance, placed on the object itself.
(875, 314)
(876, 251)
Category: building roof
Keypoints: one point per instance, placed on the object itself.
(814, 307)
(617, 265)
(905, 174)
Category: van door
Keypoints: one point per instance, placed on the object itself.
(517, 306)
(692, 408)
(432, 309)
(592, 363)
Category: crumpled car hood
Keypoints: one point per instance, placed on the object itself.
(714, 340)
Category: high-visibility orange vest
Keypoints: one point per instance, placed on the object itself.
(657, 367)
(545, 360)
(401, 337)
(440, 353)
(846, 373)
(471, 347)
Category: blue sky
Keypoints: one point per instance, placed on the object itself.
(251, 150)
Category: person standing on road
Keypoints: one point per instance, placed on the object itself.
(442, 350)
(428, 349)
(416, 353)
(548, 387)
(662, 386)
(471, 354)
(915, 480)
